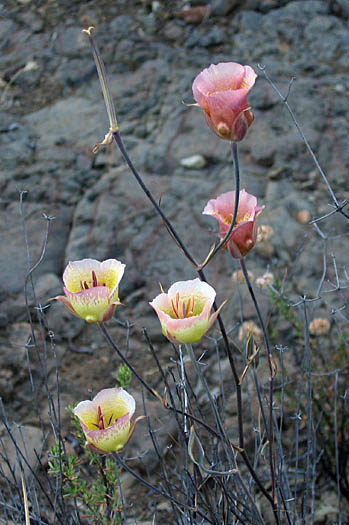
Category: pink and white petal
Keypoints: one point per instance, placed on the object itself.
(259, 210)
(247, 204)
(162, 303)
(240, 127)
(221, 77)
(227, 106)
(114, 403)
(242, 238)
(191, 287)
(222, 208)
(90, 304)
(78, 272)
(110, 439)
(249, 78)
(87, 414)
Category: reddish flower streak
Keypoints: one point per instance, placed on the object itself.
(94, 279)
(100, 419)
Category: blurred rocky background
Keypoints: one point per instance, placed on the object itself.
(52, 113)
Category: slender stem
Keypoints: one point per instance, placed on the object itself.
(303, 137)
(118, 140)
(271, 377)
(236, 207)
(184, 386)
(103, 80)
(148, 388)
(152, 487)
(124, 359)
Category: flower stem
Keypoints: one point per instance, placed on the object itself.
(236, 207)
(172, 231)
(270, 429)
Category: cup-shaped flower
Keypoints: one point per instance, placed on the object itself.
(244, 234)
(185, 311)
(222, 92)
(91, 288)
(106, 420)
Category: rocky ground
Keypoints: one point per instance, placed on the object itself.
(52, 113)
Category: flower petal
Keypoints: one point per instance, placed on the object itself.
(114, 403)
(221, 77)
(203, 293)
(109, 439)
(87, 414)
(243, 236)
(188, 329)
(91, 305)
(108, 273)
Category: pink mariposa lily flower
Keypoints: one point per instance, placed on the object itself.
(185, 311)
(222, 92)
(106, 420)
(244, 234)
(91, 288)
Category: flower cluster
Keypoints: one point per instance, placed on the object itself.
(91, 287)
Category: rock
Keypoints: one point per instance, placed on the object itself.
(223, 7)
(13, 359)
(13, 263)
(29, 440)
(194, 162)
(173, 31)
(47, 285)
(342, 8)
(72, 42)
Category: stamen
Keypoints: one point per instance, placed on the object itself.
(81, 285)
(111, 417)
(100, 418)
(175, 305)
(85, 285)
(94, 279)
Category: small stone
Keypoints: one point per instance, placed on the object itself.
(173, 31)
(194, 15)
(194, 162)
(303, 217)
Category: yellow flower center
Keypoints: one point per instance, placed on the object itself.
(229, 218)
(183, 308)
